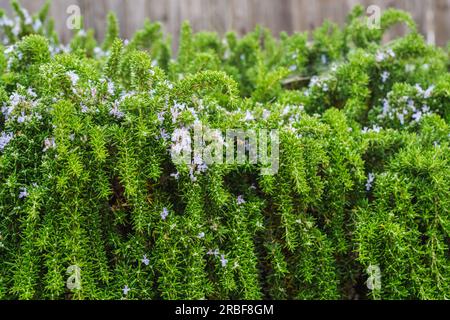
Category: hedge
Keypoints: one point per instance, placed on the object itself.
(90, 195)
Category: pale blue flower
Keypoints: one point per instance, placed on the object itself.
(417, 116)
(240, 200)
(164, 135)
(49, 143)
(202, 167)
(391, 53)
(380, 56)
(145, 260)
(211, 252)
(385, 76)
(401, 118)
(376, 129)
(5, 139)
(111, 88)
(23, 193)
(223, 260)
(370, 180)
(197, 159)
(249, 116)
(428, 92)
(161, 116)
(126, 290)
(74, 78)
(21, 118)
(116, 112)
(386, 106)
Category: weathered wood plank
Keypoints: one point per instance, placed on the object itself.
(432, 16)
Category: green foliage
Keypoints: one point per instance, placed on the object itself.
(87, 178)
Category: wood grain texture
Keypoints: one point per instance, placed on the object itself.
(432, 16)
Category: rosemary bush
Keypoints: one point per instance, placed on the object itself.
(87, 178)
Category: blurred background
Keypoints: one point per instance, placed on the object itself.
(432, 16)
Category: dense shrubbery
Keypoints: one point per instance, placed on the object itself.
(87, 178)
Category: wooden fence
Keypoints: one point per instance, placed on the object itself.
(432, 16)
